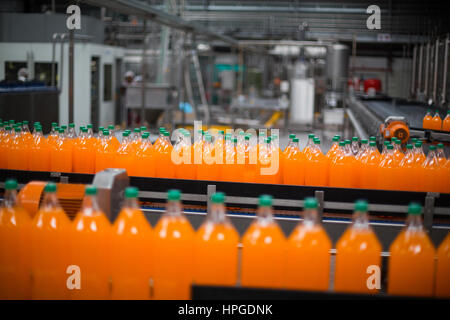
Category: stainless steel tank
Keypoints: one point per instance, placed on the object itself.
(337, 66)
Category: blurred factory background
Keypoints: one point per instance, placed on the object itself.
(294, 65)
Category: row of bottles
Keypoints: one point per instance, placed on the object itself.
(235, 157)
(132, 260)
(434, 122)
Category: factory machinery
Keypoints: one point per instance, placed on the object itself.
(387, 211)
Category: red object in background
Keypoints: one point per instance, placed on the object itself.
(372, 83)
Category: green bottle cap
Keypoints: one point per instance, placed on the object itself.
(364, 141)
(221, 132)
(17, 129)
(137, 130)
(409, 146)
(372, 144)
(125, 134)
(106, 132)
(247, 137)
(440, 146)
(25, 122)
(355, 139)
(418, 144)
(90, 190)
(11, 184)
(311, 136)
(316, 141)
(111, 127)
(265, 200)
(372, 138)
(267, 140)
(432, 148)
(387, 143)
(12, 121)
(166, 133)
(335, 139)
(100, 129)
(347, 141)
(72, 125)
(145, 135)
(291, 136)
(390, 147)
(361, 205)
(414, 208)
(218, 197)
(131, 192)
(89, 126)
(311, 203)
(341, 143)
(50, 187)
(398, 141)
(54, 124)
(235, 140)
(338, 136)
(64, 127)
(174, 195)
(295, 140)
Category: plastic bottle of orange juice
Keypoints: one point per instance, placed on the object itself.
(411, 261)
(294, 165)
(183, 162)
(105, 154)
(208, 169)
(61, 154)
(144, 159)
(174, 238)
(308, 253)
(131, 254)
(446, 122)
(358, 249)
(112, 132)
(39, 159)
(91, 237)
(249, 152)
(334, 148)
(263, 239)
(72, 133)
(216, 247)
(5, 146)
(341, 168)
(125, 157)
(440, 154)
(18, 153)
(442, 289)
(83, 153)
(355, 146)
(407, 176)
(427, 122)
(316, 166)
(432, 174)
(419, 155)
(309, 144)
(398, 153)
(363, 150)
(230, 170)
(436, 123)
(165, 168)
(369, 167)
(388, 170)
(15, 253)
(51, 252)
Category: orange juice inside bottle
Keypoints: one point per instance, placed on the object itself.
(431, 172)
(61, 154)
(294, 164)
(388, 170)
(309, 145)
(216, 247)
(446, 122)
(442, 289)
(334, 148)
(411, 261)
(263, 251)
(18, 152)
(131, 251)
(90, 246)
(144, 160)
(84, 153)
(316, 166)
(39, 159)
(183, 160)
(208, 169)
(15, 253)
(50, 243)
(173, 253)
(436, 122)
(398, 153)
(106, 153)
(427, 122)
(266, 170)
(114, 141)
(230, 171)
(369, 167)
(308, 253)
(342, 168)
(357, 249)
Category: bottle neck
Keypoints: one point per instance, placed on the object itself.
(90, 205)
(414, 223)
(173, 208)
(310, 218)
(50, 202)
(10, 198)
(431, 154)
(360, 220)
(265, 215)
(217, 213)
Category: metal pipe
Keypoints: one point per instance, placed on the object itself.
(444, 76)
(54, 37)
(436, 63)
(413, 72)
(71, 74)
(144, 73)
(419, 81)
(427, 66)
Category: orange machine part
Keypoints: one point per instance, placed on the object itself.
(70, 197)
(397, 129)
